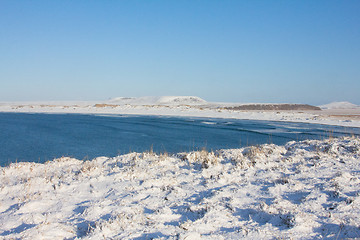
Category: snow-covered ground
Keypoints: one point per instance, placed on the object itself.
(164, 100)
(304, 190)
(343, 114)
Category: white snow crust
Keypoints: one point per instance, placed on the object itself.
(303, 190)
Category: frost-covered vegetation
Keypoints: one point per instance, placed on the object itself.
(303, 190)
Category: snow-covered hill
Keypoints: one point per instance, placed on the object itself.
(339, 105)
(163, 100)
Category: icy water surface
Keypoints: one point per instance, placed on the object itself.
(42, 137)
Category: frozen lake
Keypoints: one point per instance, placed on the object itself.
(42, 137)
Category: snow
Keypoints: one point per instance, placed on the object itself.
(303, 190)
(339, 105)
(164, 100)
(187, 107)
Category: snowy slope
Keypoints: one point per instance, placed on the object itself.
(339, 105)
(304, 190)
(181, 100)
(163, 100)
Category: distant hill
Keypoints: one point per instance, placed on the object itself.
(163, 100)
(339, 105)
(196, 101)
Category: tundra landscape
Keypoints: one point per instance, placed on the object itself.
(183, 120)
(302, 190)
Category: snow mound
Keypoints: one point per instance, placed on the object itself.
(180, 100)
(339, 105)
(303, 190)
(163, 100)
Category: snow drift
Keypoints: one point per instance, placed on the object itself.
(303, 190)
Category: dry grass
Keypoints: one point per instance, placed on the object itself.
(204, 157)
(104, 105)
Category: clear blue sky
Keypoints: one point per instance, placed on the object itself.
(305, 51)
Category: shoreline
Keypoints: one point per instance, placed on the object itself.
(336, 117)
(304, 189)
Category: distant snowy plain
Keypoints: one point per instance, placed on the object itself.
(338, 113)
(303, 190)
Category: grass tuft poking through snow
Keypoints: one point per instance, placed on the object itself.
(303, 190)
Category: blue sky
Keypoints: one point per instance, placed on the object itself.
(304, 51)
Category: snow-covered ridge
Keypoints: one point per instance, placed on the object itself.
(303, 190)
(163, 100)
(339, 105)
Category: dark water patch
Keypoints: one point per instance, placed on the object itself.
(42, 137)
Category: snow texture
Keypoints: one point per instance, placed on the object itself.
(303, 190)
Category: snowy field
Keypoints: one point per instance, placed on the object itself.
(337, 113)
(303, 190)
